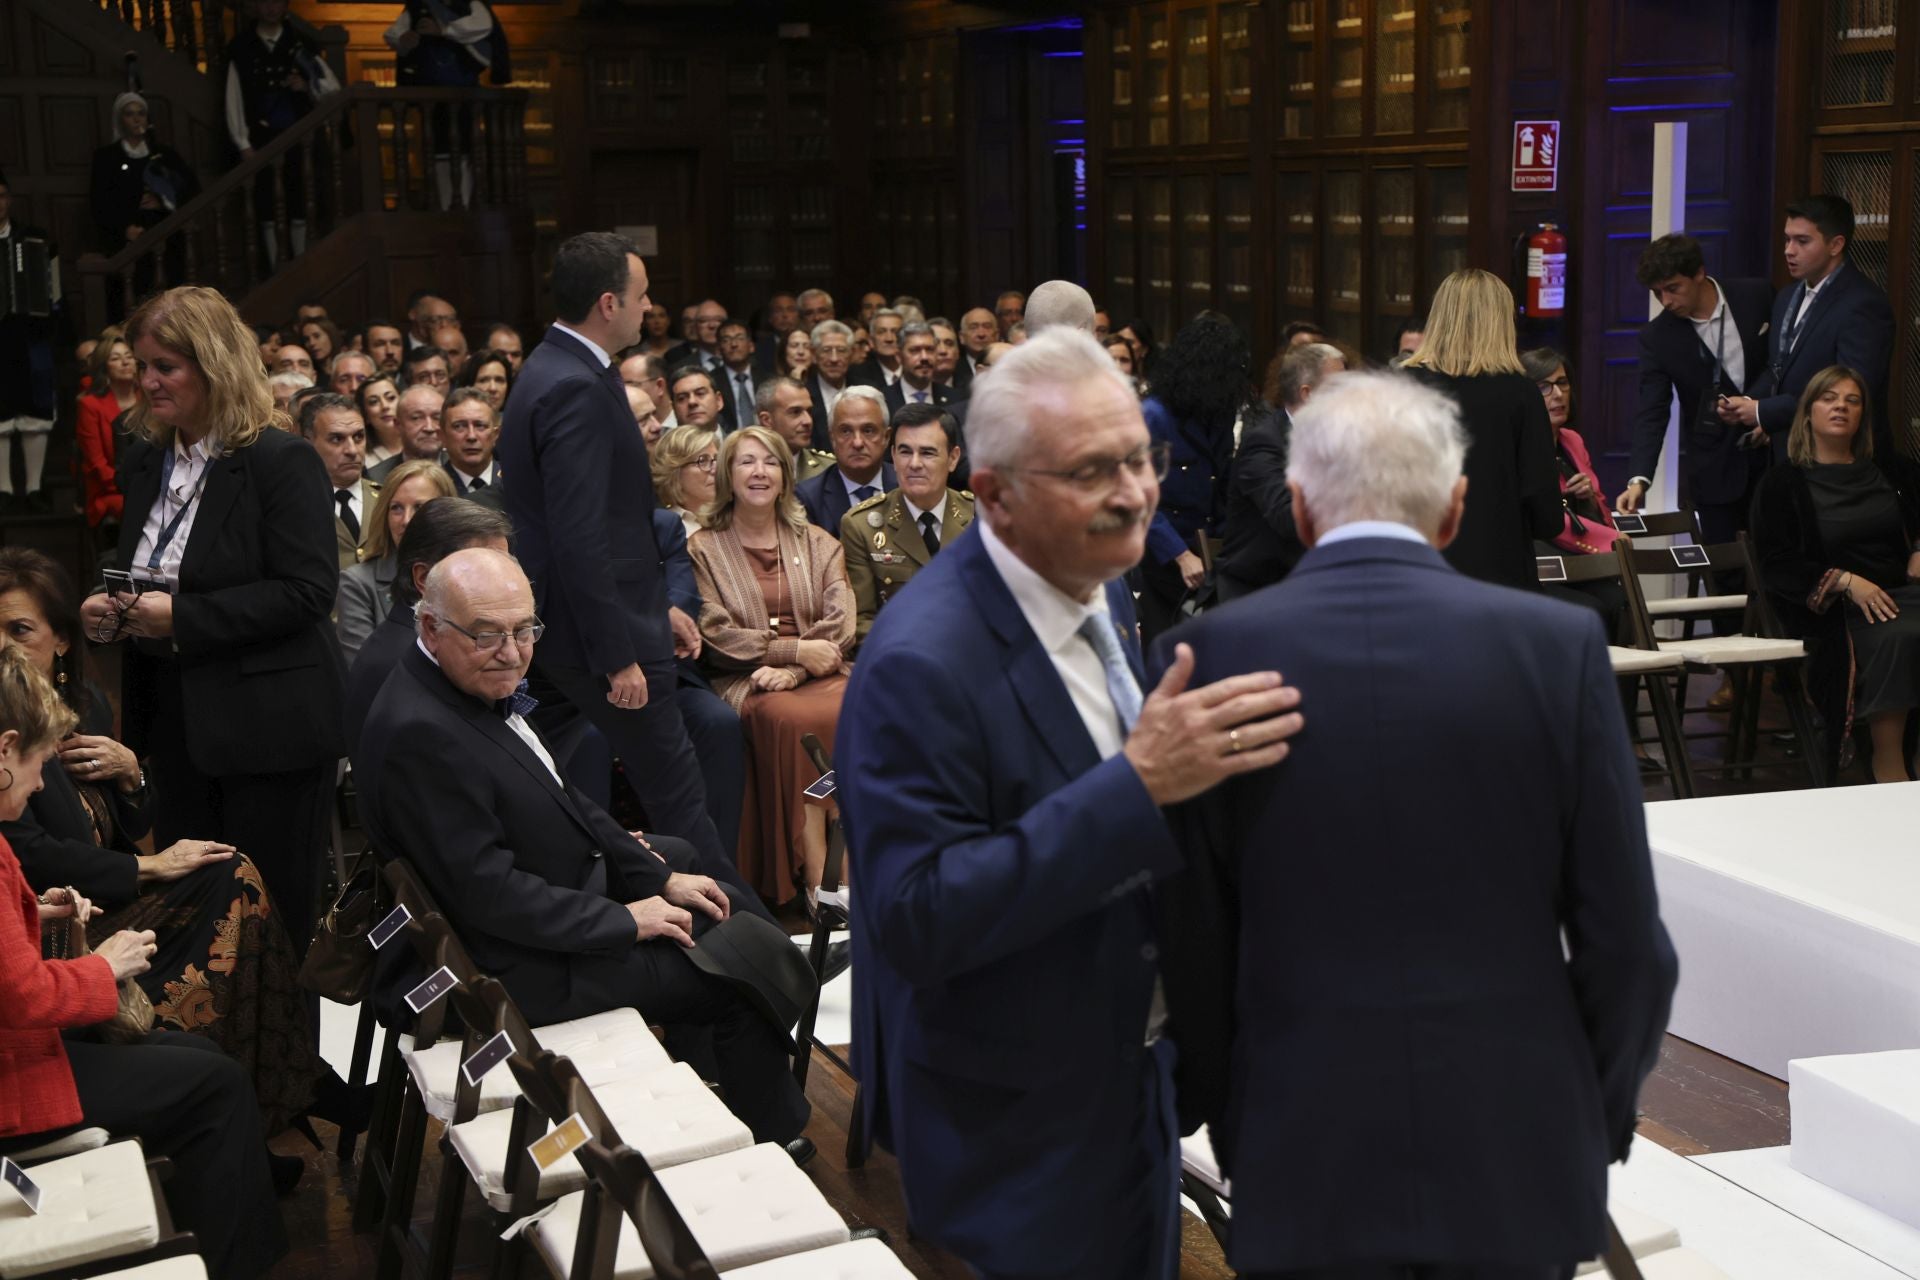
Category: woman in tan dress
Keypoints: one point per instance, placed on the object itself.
(777, 615)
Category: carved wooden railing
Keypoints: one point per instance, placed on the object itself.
(362, 150)
(198, 30)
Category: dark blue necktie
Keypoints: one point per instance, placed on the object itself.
(517, 703)
(864, 492)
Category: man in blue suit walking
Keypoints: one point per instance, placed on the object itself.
(1406, 1072)
(1002, 777)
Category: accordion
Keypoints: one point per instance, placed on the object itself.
(26, 277)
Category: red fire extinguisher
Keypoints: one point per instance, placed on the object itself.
(1546, 272)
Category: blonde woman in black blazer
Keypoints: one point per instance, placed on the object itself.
(232, 680)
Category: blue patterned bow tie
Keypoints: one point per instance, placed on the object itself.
(517, 703)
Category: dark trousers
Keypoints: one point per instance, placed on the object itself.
(1417, 1271)
(750, 1055)
(652, 743)
(186, 1100)
(721, 747)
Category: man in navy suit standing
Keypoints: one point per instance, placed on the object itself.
(582, 508)
(1405, 1070)
(1831, 314)
(1002, 772)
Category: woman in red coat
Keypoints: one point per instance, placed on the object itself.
(179, 1095)
(111, 391)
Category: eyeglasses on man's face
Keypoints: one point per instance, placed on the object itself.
(525, 636)
(1097, 475)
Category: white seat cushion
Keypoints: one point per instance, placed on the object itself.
(1680, 1264)
(669, 1116)
(72, 1144)
(1645, 1236)
(97, 1204)
(619, 1037)
(1680, 606)
(1633, 662)
(1724, 651)
(743, 1207)
(1196, 1158)
(185, 1267)
(854, 1260)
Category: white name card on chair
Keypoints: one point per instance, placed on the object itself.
(567, 1137)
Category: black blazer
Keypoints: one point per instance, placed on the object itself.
(1513, 483)
(1851, 323)
(531, 875)
(1673, 360)
(822, 423)
(1260, 544)
(582, 508)
(730, 412)
(825, 496)
(54, 838)
(896, 394)
(1395, 1055)
(252, 636)
(379, 654)
(494, 495)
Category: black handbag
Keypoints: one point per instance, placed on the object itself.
(339, 963)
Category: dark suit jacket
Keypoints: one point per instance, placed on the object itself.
(530, 874)
(1513, 483)
(822, 422)
(731, 418)
(259, 667)
(868, 373)
(54, 838)
(1260, 545)
(379, 654)
(897, 396)
(582, 508)
(1851, 323)
(825, 496)
(1003, 940)
(1674, 361)
(1363, 961)
(494, 495)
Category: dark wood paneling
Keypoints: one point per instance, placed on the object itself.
(69, 133)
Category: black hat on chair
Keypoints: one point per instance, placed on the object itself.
(763, 964)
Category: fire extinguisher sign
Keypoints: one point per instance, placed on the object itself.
(1536, 155)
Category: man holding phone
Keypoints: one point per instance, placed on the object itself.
(1707, 345)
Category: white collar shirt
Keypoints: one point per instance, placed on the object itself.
(355, 504)
(599, 352)
(179, 497)
(828, 394)
(1720, 334)
(1392, 529)
(1798, 320)
(914, 513)
(466, 481)
(1055, 618)
(853, 496)
(516, 722)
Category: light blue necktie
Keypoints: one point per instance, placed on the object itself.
(1098, 629)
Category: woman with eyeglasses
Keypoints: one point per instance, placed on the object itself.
(684, 463)
(1200, 385)
(366, 588)
(227, 572)
(776, 615)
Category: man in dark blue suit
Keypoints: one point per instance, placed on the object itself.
(1405, 1071)
(582, 509)
(860, 470)
(1831, 314)
(1709, 341)
(1001, 781)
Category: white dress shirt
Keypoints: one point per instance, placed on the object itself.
(909, 392)
(914, 513)
(354, 503)
(515, 721)
(1720, 333)
(599, 351)
(1055, 618)
(828, 394)
(183, 490)
(466, 481)
(1798, 318)
(1371, 529)
(853, 498)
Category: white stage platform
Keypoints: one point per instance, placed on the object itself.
(1767, 1174)
(1797, 918)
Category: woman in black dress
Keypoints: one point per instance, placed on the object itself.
(1513, 486)
(224, 968)
(1837, 534)
(137, 182)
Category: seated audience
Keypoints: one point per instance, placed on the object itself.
(111, 391)
(1470, 353)
(180, 1096)
(776, 618)
(572, 914)
(489, 372)
(451, 342)
(683, 469)
(832, 357)
(793, 358)
(322, 341)
(860, 470)
(1138, 335)
(417, 416)
(267, 341)
(224, 968)
(332, 425)
(1837, 536)
(366, 589)
(696, 400)
(386, 342)
(783, 407)
(641, 405)
(656, 331)
(348, 372)
(504, 340)
(284, 386)
(379, 399)
(887, 539)
(469, 431)
(1259, 543)
(293, 358)
(426, 366)
(1122, 352)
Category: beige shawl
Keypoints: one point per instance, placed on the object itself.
(733, 615)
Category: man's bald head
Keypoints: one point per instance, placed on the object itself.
(479, 592)
(1059, 303)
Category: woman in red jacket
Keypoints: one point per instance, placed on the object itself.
(178, 1094)
(111, 391)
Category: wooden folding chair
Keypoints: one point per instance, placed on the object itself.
(831, 914)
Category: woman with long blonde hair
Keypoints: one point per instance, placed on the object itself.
(227, 571)
(1472, 354)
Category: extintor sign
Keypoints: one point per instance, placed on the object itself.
(1536, 155)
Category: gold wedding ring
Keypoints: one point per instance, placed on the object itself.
(1233, 741)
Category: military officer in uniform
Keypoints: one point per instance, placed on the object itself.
(785, 408)
(890, 537)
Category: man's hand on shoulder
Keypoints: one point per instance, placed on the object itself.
(1187, 740)
(658, 918)
(697, 893)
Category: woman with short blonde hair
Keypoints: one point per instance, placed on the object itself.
(685, 462)
(1513, 484)
(366, 588)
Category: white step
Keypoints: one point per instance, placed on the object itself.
(1856, 1127)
